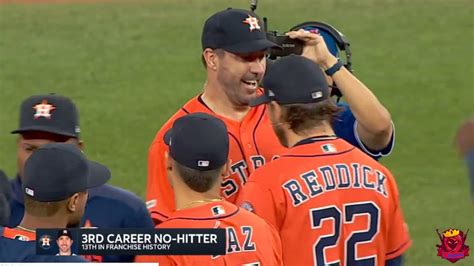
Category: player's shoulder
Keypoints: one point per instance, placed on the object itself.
(194, 105)
(245, 217)
(270, 173)
(118, 196)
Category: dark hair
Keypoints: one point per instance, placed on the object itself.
(304, 117)
(43, 209)
(199, 181)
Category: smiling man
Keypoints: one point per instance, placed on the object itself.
(234, 47)
(65, 242)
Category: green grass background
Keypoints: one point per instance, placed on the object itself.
(130, 65)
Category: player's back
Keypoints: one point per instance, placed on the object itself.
(250, 239)
(334, 204)
(20, 246)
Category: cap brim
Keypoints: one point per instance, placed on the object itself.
(167, 136)
(98, 174)
(262, 99)
(43, 129)
(253, 46)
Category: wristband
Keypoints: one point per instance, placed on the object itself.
(336, 67)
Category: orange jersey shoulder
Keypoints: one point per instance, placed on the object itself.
(340, 195)
(249, 238)
(16, 233)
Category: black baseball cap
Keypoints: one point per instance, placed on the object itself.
(56, 171)
(49, 113)
(293, 79)
(64, 232)
(236, 31)
(198, 141)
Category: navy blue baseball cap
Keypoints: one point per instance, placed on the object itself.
(236, 31)
(198, 141)
(49, 113)
(64, 232)
(293, 79)
(56, 171)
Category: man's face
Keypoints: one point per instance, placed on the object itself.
(28, 142)
(240, 74)
(64, 244)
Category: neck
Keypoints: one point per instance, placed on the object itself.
(293, 138)
(219, 103)
(32, 222)
(187, 198)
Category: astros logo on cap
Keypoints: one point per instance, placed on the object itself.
(253, 23)
(43, 109)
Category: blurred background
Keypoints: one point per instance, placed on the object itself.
(129, 65)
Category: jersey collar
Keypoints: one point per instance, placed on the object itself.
(319, 146)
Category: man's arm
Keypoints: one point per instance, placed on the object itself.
(374, 125)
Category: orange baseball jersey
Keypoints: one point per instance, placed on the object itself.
(331, 203)
(250, 240)
(252, 144)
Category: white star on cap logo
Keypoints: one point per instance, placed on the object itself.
(43, 109)
(253, 23)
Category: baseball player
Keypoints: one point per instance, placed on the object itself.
(54, 118)
(197, 162)
(64, 242)
(234, 45)
(55, 183)
(331, 203)
(5, 195)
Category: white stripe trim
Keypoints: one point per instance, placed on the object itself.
(365, 149)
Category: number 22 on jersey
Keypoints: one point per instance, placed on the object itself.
(339, 220)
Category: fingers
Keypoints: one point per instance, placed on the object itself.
(305, 35)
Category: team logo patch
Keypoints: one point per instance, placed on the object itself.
(328, 148)
(453, 245)
(150, 204)
(218, 210)
(253, 23)
(248, 206)
(45, 241)
(22, 238)
(43, 109)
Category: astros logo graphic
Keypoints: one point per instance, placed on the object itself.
(253, 22)
(43, 109)
(453, 245)
(45, 241)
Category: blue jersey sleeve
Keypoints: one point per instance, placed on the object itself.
(345, 127)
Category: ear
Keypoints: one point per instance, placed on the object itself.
(81, 144)
(275, 112)
(73, 202)
(169, 162)
(169, 168)
(226, 168)
(211, 58)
